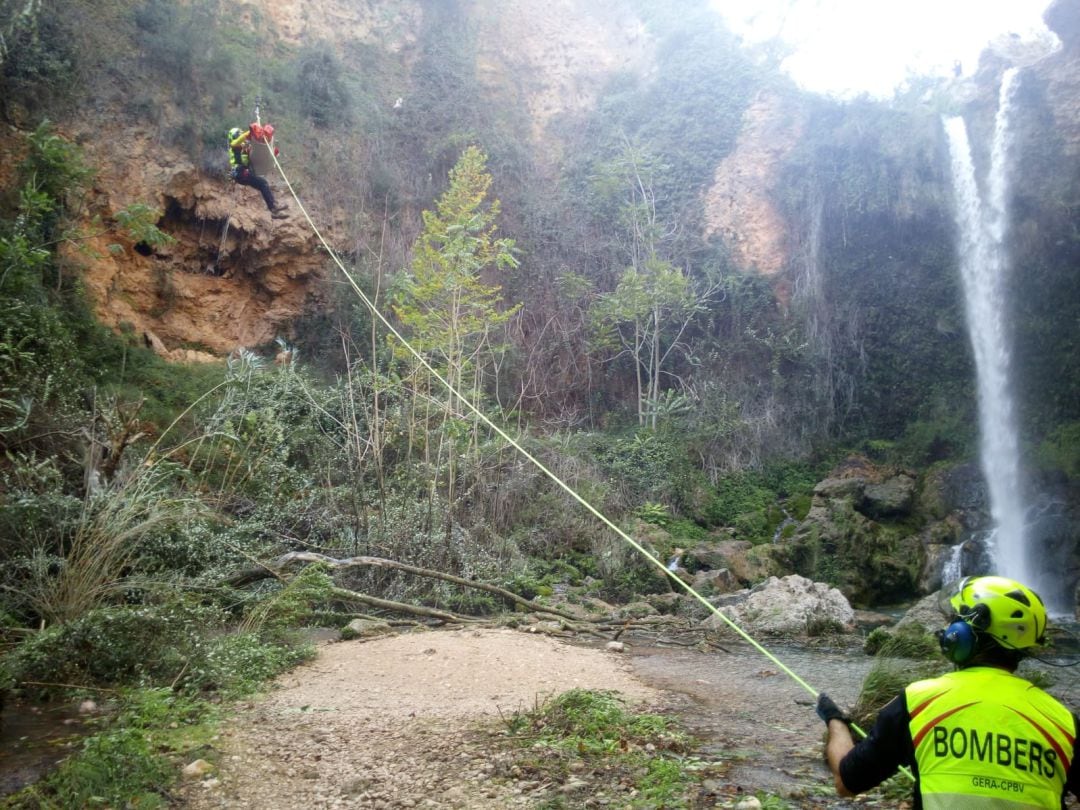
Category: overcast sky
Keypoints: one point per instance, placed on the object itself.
(850, 46)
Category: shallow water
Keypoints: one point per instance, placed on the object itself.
(33, 739)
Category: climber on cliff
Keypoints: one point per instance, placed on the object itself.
(979, 737)
(242, 173)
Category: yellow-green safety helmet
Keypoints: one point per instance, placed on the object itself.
(1010, 613)
(234, 133)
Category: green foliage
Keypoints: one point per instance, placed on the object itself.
(654, 513)
(323, 96)
(292, 605)
(447, 309)
(125, 763)
(691, 109)
(118, 645)
(237, 664)
(176, 643)
(909, 641)
(1060, 450)
(886, 680)
(38, 66)
(594, 726)
(140, 222)
(592, 723)
(88, 563)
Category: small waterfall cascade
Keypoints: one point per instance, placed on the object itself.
(982, 225)
(954, 567)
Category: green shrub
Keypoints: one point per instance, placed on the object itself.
(118, 645)
(237, 664)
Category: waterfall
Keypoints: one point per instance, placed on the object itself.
(954, 565)
(983, 227)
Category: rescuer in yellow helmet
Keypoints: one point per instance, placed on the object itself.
(240, 168)
(977, 737)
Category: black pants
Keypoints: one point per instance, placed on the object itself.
(246, 177)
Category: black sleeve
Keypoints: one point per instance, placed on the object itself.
(1072, 778)
(885, 749)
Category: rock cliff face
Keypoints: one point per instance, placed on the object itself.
(559, 53)
(233, 277)
(1061, 72)
(236, 278)
(739, 206)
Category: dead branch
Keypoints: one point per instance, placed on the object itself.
(286, 560)
(400, 607)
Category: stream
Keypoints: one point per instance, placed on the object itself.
(34, 738)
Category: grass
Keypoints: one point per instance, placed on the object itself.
(134, 758)
(643, 758)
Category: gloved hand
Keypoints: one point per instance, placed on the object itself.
(827, 710)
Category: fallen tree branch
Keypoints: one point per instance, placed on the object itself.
(285, 560)
(400, 607)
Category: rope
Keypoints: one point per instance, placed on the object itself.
(536, 462)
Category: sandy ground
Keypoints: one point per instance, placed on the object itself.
(401, 721)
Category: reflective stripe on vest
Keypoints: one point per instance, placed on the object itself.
(982, 732)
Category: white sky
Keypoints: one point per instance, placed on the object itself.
(845, 47)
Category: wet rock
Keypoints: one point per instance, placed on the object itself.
(958, 491)
(869, 619)
(890, 498)
(719, 581)
(746, 563)
(365, 628)
(925, 613)
(832, 488)
(665, 603)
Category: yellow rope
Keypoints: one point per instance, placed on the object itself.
(535, 461)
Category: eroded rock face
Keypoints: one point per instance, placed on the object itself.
(560, 53)
(739, 206)
(232, 278)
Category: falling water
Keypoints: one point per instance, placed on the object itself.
(983, 227)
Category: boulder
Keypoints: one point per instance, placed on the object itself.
(365, 628)
(957, 490)
(871, 620)
(746, 563)
(890, 498)
(719, 581)
(832, 488)
(789, 606)
(925, 614)
(665, 603)
(872, 563)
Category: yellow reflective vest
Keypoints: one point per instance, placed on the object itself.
(238, 151)
(985, 738)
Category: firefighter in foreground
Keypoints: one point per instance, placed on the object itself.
(242, 172)
(978, 737)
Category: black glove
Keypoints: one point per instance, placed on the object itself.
(827, 710)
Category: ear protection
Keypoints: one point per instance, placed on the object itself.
(960, 639)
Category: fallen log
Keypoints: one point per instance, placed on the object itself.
(293, 557)
(400, 607)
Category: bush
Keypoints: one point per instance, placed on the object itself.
(118, 645)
